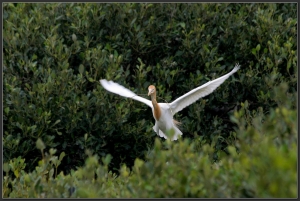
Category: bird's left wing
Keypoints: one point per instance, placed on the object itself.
(122, 91)
(199, 92)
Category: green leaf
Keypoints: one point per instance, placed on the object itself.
(81, 69)
(52, 151)
(138, 162)
(39, 111)
(91, 79)
(51, 172)
(6, 110)
(34, 57)
(132, 22)
(54, 160)
(220, 59)
(182, 24)
(16, 173)
(233, 119)
(107, 159)
(56, 122)
(58, 132)
(258, 47)
(40, 144)
(149, 188)
(61, 156)
(74, 37)
(6, 167)
(33, 128)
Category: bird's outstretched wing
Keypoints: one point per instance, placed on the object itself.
(122, 91)
(200, 92)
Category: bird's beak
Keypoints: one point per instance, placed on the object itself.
(150, 92)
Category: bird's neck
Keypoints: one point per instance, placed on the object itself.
(157, 111)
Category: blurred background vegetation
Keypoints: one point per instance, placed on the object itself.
(61, 126)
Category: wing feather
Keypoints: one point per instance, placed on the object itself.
(200, 92)
(122, 91)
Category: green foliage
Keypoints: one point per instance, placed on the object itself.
(265, 166)
(54, 55)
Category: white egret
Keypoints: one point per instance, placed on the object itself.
(163, 112)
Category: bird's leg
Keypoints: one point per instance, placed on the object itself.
(177, 123)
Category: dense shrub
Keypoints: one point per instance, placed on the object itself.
(265, 166)
(54, 55)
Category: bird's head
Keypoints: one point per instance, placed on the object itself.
(151, 90)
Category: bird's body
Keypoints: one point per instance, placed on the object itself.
(163, 112)
(165, 122)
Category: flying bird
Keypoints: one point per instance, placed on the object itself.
(163, 112)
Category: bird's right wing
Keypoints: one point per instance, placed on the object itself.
(122, 91)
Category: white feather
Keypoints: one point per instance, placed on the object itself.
(199, 92)
(166, 122)
(122, 91)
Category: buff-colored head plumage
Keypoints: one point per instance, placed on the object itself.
(151, 90)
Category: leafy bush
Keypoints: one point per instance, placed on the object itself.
(265, 166)
(54, 55)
